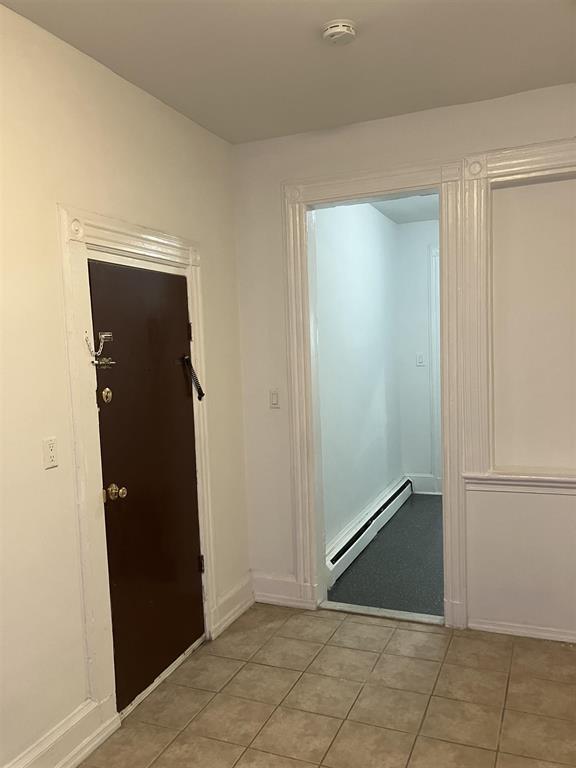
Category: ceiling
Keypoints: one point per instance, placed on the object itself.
(405, 210)
(253, 69)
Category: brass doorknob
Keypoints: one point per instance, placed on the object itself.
(116, 493)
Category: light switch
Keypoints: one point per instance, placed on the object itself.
(420, 361)
(274, 398)
(49, 452)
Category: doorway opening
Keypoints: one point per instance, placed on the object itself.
(374, 288)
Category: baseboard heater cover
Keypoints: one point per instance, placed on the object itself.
(372, 519)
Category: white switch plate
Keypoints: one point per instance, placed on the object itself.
(49, 452)
(420, 361)
(274, 399)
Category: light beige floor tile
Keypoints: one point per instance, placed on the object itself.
(305, 628)
(430, 753)
(189, 751)
(434, 629)
(365, 637)
(480, 654)
(252, 758)
(545, 738)
(229, 718)
(390, 708)
(300, 735)
(513, 761)
(542, 697)
(324, 613)
(209, 673)
(366, 746)
(238, 643)
(477, 634)
(422, 645)
(323, 695)
(344, 662)
(476, 725)
(550, 661)
(408, 674)
(171, 706)
(482, 686)
(376, 621)
(134, 745)
(288, 653)
(262, 683)
(266, 618)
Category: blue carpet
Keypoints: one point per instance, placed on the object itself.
(402, 567)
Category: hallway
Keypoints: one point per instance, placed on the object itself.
(283, 688)
(401, 569)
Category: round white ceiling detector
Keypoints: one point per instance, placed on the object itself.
(339, 31)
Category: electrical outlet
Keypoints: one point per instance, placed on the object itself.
(49, 452)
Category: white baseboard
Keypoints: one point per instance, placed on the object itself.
(337, 569)
(283, 589)
(73, 739)
(455, 614)
(524, 630)
(422, 483)
(231, 605)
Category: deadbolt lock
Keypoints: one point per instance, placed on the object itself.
(116, 493)
(107, 394)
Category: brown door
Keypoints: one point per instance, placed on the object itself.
(147, 446)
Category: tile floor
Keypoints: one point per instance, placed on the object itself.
(288, 689)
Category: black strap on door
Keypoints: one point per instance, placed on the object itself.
(194, 381)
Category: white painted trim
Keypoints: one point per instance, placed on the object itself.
(337, 569)
(298, 198)
(85, 235)
(160, 679)
(385, 613)
(524, 630)
(434, 354)
(494, 481)
(282, 589)
(482, 174)
(69, 742)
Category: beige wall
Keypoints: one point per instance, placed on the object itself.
(75, 133)
(427, 137)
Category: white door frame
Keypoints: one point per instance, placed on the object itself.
(90, 236)
(299, 198)
(465, 188)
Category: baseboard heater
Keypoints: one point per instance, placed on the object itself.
(371, 520)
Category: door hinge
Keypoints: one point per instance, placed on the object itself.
(190, 332)
(201, 567)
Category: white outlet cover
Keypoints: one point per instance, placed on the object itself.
(49, 452)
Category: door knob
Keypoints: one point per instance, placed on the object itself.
(116, 493)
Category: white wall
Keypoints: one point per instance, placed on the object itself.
(72, 132)
(355, 298)
(534, 290)
(417, 329)
(436, 135)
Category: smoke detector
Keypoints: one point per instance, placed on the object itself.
(339, 31)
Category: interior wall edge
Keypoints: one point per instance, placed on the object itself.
(231, 605)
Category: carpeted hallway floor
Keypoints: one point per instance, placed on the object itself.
(402, 567)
